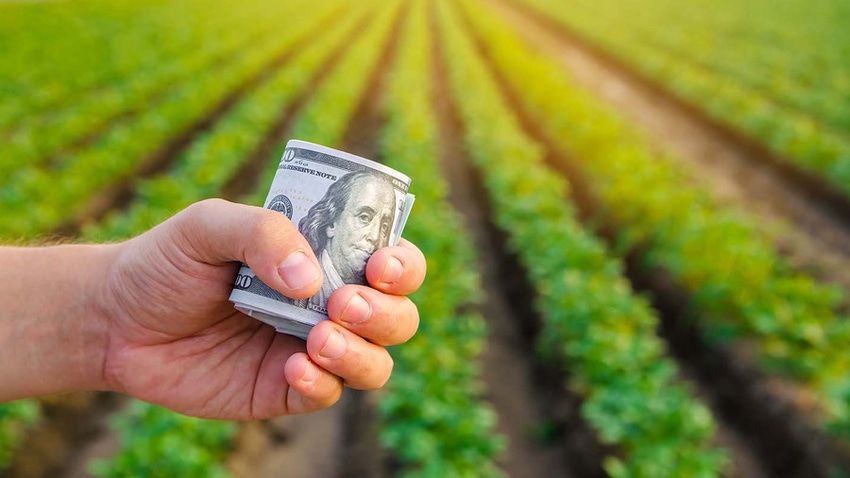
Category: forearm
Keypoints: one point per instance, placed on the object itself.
(52, 336)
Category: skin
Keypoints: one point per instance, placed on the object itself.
(362, 227)
(149, 317)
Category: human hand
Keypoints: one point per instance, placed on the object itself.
(175, 340)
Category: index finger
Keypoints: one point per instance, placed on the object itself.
(397, 270)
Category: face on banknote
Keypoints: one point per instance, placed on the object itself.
(346, 207)
(352, 220)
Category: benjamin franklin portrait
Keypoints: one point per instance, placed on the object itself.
(351, 221)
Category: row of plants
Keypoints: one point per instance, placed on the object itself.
(803, 122)
(594, 326)
(37, 200)
(433, 418)
(154, 439)
(158, 442)
(197, 174)
(750, 42)
(210, 161)
(748, 64)
(41, 137)
(327, 115)
(15, 419)
(29, 89)
(93, 47)
(739, 286)
(815, 25)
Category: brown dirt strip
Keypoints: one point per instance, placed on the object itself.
(363, 454)
(299, 446)
(538, 415)
(762, 418)
(771, 417)
(342, 441)
(119, 195)
(100, 446)
(68, 424)
(803, 215)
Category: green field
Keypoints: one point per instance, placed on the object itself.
(598, 303)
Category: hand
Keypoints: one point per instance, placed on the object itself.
(175, 340)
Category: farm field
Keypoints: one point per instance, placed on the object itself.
(636, 218)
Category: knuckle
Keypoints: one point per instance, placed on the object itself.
(267, 227)
(402, 322)
(321, 395)
(332, 396)
(193, 216)
(206, 207)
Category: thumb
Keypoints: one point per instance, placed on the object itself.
(218, 232)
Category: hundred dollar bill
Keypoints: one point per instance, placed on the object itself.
(347, 207)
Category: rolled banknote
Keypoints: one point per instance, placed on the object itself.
(347, 207)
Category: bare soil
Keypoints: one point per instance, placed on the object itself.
(769, 418)
(69, 424)
(301, 446)
(808, 222)
(536, 413)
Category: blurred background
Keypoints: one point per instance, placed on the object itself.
(636, 217)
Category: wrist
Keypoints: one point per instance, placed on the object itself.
(98, 312)
(53, 332)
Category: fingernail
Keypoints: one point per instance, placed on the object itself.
(311, 373)
(357, 310)
(298, 270)
(335, 346)
(392, 271)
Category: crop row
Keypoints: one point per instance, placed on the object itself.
(433, 417)
(37, 140)
(211, 160)
(804, 123)
(733, 57)
(152, 435)
(38, 200)
(740, 287)
(602, 334)
(15, 418)
(753, 38)
(198, 174)
(97, 50)
(156, 441)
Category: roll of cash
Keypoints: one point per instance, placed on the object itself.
(347, 207)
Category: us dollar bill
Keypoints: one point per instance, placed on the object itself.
(347, 207)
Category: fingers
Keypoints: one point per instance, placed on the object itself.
(289, 382)
(311, 388)
(217, 232)
(361, 364)
(380, 318)
(397, 270)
